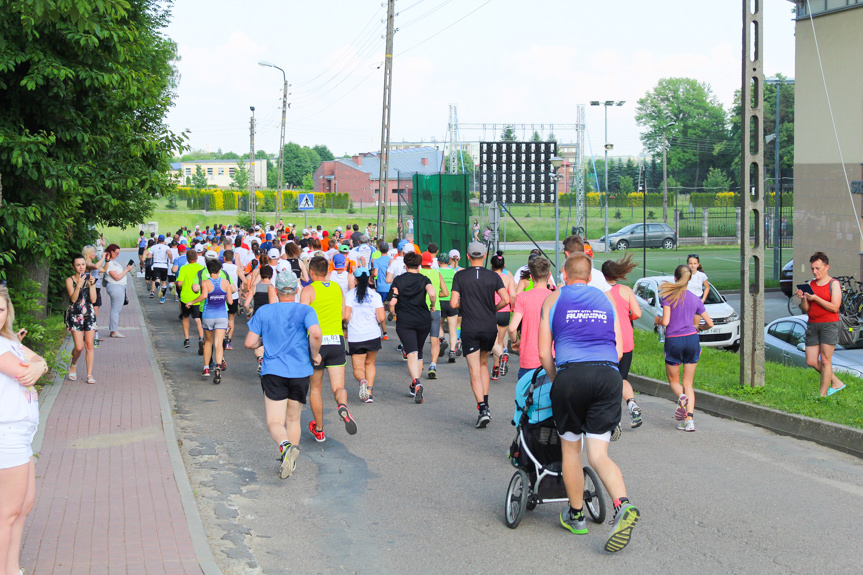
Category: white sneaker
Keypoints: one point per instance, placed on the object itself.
(688, 425)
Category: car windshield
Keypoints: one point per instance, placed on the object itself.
(628, 228)
(713, 296)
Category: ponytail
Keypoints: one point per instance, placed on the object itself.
(674, 292)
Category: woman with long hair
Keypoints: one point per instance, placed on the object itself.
(698, 283)
(95, 262)
(216, 291)
(501, 356)
(682, 311)
(292, 253)
(364, 313)
(20, 368)
(80, 316)
(115, 276)
(628, 310)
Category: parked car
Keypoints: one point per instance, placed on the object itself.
(785, 342)
(726, 323)
(633, 236)
(786, 278)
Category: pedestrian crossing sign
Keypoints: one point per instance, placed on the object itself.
(307, 201)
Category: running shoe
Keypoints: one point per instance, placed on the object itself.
(451, 356)
(483, 418)
(635, 416)
(413, 387)
(162, 299)
(495, 373)
(370, 399)
(615, 434)
(200, 346)
(319, 436)
(418, 392)
(682, 404)
(503, 361)
(228, 345)
(217, 378)
(364, 390)
(176, 299)
(205, 372)
(389, 316)
(443, 345)
(186, 343)
(688, 425)
(289, 461)
(385, 337)
(152, 295)
(577, 525)
(432, 372)
(350, 423)
(224, 365)
(625, 519)
(404, 354)
(458, 348)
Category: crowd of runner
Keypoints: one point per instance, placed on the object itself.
(312, 297)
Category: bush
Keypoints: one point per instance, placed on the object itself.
(44, 336)
(617, 215)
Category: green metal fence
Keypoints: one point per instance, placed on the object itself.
(441, 214)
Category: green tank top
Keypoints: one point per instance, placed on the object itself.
(434, 278)
(328, 307)
(448, 273)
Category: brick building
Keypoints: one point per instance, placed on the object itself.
(359, 175)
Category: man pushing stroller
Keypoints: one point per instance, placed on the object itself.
(585, 394)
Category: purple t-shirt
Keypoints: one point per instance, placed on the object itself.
(683, 314)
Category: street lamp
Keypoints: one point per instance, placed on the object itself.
(665, 173)
(556, 162)
(268, 64)
(606, 105)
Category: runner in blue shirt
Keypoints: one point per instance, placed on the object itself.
(380, 265)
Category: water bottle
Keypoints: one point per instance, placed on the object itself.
(660, 331)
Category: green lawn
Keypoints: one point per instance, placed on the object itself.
(788, 389)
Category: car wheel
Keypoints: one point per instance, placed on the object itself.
(668, 243)
(622, 245)
(734, 348)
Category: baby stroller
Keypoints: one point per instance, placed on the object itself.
(535, 453)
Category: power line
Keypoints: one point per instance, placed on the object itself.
(444, 29)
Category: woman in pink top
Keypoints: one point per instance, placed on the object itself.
(628, 310)
(501, 357)
(528, 305)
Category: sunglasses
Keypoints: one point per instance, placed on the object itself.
(693, 256)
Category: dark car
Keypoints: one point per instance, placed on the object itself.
(786, 278)
(633, 236)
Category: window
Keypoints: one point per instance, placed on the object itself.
(782, 331)
(231, 171)
(650, 295)
(210, 172)
(221, 171)
(188, 171)
(797, 335)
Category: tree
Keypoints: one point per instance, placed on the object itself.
(85, 86)
(299, 161)
(229, 156)
(508, 133)
(536, 137)
(199, 180)
(308, 182)
(626, 185)
(324, 153)
(717, 181)
(240, 179)
(464, 160)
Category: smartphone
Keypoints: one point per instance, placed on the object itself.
(131, 263)
(805, 288)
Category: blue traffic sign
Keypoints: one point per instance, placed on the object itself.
(306, 201)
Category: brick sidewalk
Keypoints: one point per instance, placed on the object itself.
(107, 500)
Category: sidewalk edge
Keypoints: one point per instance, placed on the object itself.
(833, 435)
(203, 551)
(48, 397)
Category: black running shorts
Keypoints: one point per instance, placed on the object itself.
(624, 364)
(194, 311)
(446, 310)
(503, 318)
(413, 339)
(233, 307)
(333, 355)
(363, 347)
(585, 398)
(477, 341)
(159, 274)
(278, 388)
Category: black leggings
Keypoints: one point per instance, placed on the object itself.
(413, 338)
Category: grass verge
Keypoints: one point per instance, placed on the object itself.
(788, 389)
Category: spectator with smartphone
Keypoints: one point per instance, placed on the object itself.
(116, 276)
(821, 302)
(81, 316)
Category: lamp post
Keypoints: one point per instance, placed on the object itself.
(556, 162)
(268, 64)
(665, 173)
(606, 104)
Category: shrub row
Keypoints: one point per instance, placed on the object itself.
(221, 200)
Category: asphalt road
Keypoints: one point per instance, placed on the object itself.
(419, 490)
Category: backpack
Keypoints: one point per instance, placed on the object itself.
(540, 406)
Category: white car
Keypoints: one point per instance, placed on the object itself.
(785, 342)
(726, 323)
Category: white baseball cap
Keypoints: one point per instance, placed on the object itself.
(273, 254)
(199, 248)
(409, 249)
(454, 254)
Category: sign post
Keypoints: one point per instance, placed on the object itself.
(306, 203)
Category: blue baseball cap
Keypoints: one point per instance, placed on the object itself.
(161, 238)
(401, 245)
(360, 271)
(339, 262)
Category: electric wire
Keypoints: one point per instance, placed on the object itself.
(443, 29)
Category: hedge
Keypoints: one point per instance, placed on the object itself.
(221, 200)
(594, 199)
(730, 199)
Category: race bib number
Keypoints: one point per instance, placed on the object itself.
(332, 340)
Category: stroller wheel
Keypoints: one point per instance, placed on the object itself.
(531, 503)
(594, 500)
(517, 495)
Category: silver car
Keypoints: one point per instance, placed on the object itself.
(785, 342)
(726, 323)
(658, 235)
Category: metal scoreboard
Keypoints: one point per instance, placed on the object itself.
(517, 172)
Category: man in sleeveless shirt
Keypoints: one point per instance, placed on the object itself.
(581, 322)
(327, 300)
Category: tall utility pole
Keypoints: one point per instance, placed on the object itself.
(252, 196)
(267, 64)
(607, 104)
(665, 173)
(580, 204)
(383, 181)
(454, 151)
(752, 194)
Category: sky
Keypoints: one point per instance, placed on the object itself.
(499, 61)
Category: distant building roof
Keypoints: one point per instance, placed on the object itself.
(176, 166)
(406, 161)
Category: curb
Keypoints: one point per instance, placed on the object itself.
(203, 551)
(833, 435)
(47, 399)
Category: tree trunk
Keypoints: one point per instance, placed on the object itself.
(39, 272)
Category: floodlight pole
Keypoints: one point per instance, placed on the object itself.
(556, 162)
(608, 146)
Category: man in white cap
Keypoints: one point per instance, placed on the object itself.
(473, 291)
(291, 336)
(276, 261)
